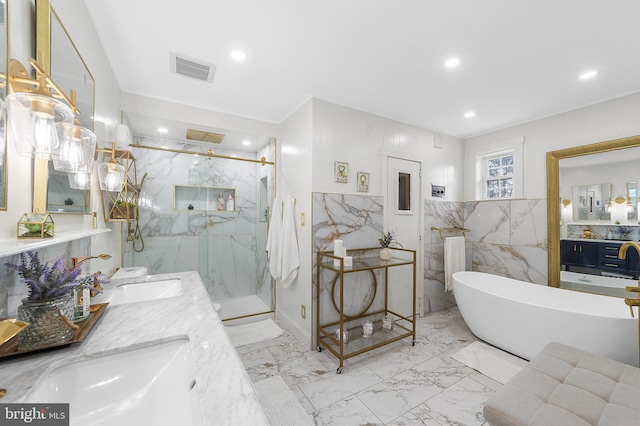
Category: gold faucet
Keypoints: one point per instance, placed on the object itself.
(78, 260)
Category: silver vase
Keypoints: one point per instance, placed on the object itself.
(50, 322)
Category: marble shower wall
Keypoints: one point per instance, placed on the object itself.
(225, 247)
(12, 291)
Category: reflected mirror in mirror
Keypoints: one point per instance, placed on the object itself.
(632, 201)
(61, 198)
(69, 71)
(4, 49)
(592, 202)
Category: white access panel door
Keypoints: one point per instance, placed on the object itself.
(403, 210)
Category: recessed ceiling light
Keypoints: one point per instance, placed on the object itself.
(588, 75)
(246, 143)
(452, 63)
(163, 130)
(238, 55)
(469, 114)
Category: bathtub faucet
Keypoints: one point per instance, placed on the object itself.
(622, 254)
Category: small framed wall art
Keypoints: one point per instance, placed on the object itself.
(363, 182)
(341, 171)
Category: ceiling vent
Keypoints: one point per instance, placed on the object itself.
(191, 67)
(201, 136)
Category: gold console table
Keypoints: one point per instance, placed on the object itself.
(367, 259)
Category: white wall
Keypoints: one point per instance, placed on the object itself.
(294, 177)
(609, 120)
(360, 139)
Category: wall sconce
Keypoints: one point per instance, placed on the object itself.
(566, 203)
(609, 206)
(33, 112)
(630, 207)
(111, 174)
(77, 147)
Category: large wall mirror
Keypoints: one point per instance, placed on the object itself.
(606, 171)
(4, 60)
(61, 59)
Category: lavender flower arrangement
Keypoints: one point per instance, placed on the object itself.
(48, 282)
(387, 240)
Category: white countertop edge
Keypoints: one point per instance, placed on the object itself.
(11, 246)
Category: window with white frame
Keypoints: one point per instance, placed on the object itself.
(499, 170)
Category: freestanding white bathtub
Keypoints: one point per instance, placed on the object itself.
(522, 318)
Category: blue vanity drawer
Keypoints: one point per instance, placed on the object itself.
(612, 263)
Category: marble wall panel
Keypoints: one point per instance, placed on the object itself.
(12, 291)
(488, 221)
(529, 223)
(527, 264)
(357, 220)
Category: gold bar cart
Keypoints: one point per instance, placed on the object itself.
(331, 338)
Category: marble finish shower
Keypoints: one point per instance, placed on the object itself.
(208, 215)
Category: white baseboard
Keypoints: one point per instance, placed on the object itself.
(303, 335)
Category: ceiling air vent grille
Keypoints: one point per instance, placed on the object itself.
(191, 67)
(201, 136)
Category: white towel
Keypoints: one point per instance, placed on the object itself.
(274, 240)
(454, 259)
(289, 252)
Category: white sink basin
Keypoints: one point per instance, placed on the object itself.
(154, 385)
(146, 291)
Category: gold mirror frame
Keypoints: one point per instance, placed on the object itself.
(41, 174)
(553, 193)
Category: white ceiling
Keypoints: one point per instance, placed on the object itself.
(520, 60)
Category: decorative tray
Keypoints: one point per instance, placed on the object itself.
(10, 348)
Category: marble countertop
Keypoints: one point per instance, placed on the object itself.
(227, 396)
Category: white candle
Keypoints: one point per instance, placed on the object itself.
(348, 261)
(337, 248)
(344, 251)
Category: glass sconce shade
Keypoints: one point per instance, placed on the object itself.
(76, 149)
(111, 176)
(32, 119)
(80, 180)
(122, 134)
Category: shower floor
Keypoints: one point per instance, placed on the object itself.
(242, 306)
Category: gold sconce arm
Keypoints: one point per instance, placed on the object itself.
(20, 81)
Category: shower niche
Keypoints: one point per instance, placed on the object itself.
(201, 198)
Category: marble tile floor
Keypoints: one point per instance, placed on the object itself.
(398, 384)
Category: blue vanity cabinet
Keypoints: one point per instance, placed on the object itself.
(579, 253)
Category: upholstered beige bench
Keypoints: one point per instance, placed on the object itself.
(566, 386)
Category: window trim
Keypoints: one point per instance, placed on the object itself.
(480, 153)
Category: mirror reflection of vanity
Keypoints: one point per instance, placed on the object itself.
(52, 190)
(590, 221)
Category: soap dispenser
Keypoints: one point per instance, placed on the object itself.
(230, 203)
